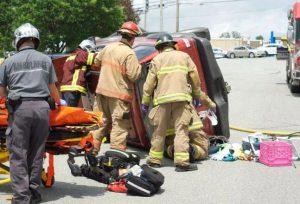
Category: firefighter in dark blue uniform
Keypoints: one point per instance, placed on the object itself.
(27, 79)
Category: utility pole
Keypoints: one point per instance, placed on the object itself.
(161, 15)
(146, 11)
(177, 15)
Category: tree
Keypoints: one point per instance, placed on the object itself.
(62, 23)
(233, 34)
(259, 37)
(130, 13)
(6, 16)
(225, 35)
(236, 35)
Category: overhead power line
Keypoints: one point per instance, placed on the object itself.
(161, 4)
(232, 13)
(166, 3)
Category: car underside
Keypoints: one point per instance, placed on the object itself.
(212, 83)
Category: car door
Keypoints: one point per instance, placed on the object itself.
(238, 52)
(244, 52)
(212, 82)
(273, 49)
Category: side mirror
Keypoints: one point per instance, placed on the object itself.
(227, 87)
(290, 33)
(289, 14)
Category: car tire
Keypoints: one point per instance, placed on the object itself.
(288, 73)
(288, 78)
(267, 54)
(232, 55)
(251, 55)
(294, 88)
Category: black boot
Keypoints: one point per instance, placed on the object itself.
(192, 154)
(190, 167)
(153, 165)
(169, 153)
(35, 197)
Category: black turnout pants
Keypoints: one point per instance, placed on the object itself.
(71, 97)
(28, 132)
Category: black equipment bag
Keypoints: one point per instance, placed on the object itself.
(96, 174)
(121, 159)
(147, 184)
(104, 169)
(153, 176)
(138, 186)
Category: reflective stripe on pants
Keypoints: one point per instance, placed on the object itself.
(198, 141)
(157, 155)
(195, 126)
(179, 113)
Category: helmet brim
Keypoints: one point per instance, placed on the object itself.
(18, 43)
(161, 44)
(128, 32)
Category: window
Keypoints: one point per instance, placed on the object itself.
(144, 51)
(99, 48)
(297, 34)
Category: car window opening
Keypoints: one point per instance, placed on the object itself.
(144, 51)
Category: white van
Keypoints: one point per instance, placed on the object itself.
(269, 49)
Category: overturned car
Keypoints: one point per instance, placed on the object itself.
(212, 82)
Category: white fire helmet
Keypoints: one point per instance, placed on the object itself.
(87, 45)
(26, 31)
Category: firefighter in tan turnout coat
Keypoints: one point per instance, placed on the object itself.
(119, 69)
(172, 82)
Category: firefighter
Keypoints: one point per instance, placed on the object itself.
(75, 69)
(198, 144)
(119, 70)
(172, 81)
(27, 79)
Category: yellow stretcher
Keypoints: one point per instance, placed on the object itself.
(4, 172)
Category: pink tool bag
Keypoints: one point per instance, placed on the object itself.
(275, 153)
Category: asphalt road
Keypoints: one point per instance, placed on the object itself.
(259, 99)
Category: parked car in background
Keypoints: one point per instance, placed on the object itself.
(245, 51)
(269, 49)
(219, 53)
